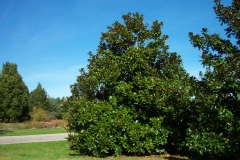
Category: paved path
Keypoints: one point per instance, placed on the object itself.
(33, 138)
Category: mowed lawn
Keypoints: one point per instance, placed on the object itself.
(32, 128)
(58, 150)
(37, 151)
(36, 131)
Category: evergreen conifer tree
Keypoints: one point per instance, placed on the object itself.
(38, 98)
(14, 94)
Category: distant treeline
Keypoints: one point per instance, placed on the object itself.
(17, 104)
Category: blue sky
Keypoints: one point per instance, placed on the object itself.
(49, 39)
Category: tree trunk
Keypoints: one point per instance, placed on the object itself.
(3, 118)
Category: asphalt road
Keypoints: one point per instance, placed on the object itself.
(33, 138)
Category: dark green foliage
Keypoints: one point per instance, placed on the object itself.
(215, 111)
(56, 108)
(14, 94)
(136, 98)
(134, 95)
(38, 98)
(104, 128)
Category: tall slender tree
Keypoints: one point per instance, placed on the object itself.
(14, 94)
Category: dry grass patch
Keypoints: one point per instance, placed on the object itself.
(31, 125)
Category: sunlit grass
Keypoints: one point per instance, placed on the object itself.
(36, 131)
(32, 128)
(58, 151)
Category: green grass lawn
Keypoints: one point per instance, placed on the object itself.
(37, 151)
(21, 132)
(56, 151)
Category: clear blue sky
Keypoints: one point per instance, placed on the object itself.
(49, 39)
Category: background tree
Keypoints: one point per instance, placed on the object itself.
(1, 97)
(56, 107)
(14, 94)
(133, 96)
(38, 98)
(215, 126)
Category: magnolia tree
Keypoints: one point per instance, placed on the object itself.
(215, 126)
(134, 96)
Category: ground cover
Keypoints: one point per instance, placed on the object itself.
(32, 124)
(36, 131)
(32, 128)
(49, 150)
(58, 151)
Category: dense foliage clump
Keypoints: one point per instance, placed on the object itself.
(132, 93)
(136, 98)
(38, 98)
(13, 94)
(215, 112)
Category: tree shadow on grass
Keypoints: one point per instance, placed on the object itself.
(172, 158)
(175, 158)
(74, 154)
(138, 157)
(3, 132)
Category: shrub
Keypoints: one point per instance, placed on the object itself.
(38, 114)
(133, 96)
(104, 129)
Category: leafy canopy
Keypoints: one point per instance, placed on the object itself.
(215, 111)
(132, 86)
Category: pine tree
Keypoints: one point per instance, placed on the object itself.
(14, 94)
(38, 98)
